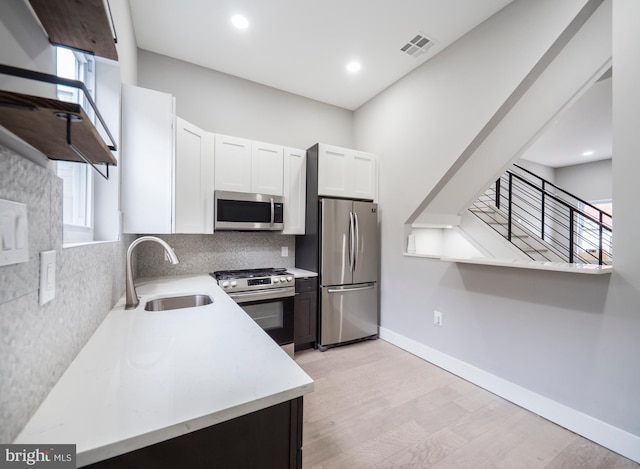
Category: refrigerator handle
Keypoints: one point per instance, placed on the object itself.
(357, 243)
(352, 241)
(368, 286)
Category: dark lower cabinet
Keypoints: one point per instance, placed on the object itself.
(268, 439)
(305, 313)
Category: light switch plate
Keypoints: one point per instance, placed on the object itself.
(47, 276)
(14, 233)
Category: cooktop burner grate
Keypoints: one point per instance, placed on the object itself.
(248, 273)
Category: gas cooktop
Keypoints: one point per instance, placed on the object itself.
(254, 279)
(248, 273)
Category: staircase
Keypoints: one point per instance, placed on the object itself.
(545, 222)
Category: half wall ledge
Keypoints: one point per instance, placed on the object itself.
(588, 269)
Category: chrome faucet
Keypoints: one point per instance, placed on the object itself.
(132, 296)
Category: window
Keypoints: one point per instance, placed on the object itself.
(77, 185)
(589, 231)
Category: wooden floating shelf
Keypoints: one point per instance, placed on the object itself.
(42, 123)
(79, 24)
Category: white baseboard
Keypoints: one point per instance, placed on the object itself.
(613, 438)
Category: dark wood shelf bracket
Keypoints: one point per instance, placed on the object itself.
(70, 119)
(69, 112)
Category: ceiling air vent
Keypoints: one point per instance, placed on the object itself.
(417, 46)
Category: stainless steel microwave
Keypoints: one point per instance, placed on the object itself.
(241, 211)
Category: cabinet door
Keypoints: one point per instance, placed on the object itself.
(266, 168)
(232, 164)
(305, 312)
(334, 168)
(294, 190)
(364, 176)
(347, 173)
(269, 438)
(348, 313)
(194, 179)
(148, 147)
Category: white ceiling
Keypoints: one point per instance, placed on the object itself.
(585, 126)
(303, 46)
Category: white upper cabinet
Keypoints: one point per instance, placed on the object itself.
(246, 166)
(232, 164)
(295, 186)
(347, 173)
(167, 167)
(365, 176)
(193, 179)
(148, 147)
(267, 165)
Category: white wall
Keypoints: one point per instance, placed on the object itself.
(127, 47)
(37, 343)
(25, 47)
(589, 181)
(566, 340)
(545, 172)
(229, 105)
(535, 101)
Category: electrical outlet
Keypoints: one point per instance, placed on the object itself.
(437, 318)
(47, 276)
(284, 251)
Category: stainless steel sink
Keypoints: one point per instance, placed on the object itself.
(177, 302)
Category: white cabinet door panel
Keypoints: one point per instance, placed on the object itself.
(232, 164)
(295, 187)
(194, 179)
(148, 147)
(364, 175)
(266, 168)
(334, 168)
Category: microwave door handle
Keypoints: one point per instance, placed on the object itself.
(272, 212)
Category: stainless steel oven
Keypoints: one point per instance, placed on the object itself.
(266, 295)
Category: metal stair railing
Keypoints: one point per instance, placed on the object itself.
(553, 223)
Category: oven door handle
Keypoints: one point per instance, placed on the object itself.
(242, 297)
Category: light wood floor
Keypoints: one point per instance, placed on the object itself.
(377, 406)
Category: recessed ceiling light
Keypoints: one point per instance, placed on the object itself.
(240, 21)
(353, 67)
(587, 153)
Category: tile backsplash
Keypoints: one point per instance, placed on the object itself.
(37, 343)
(202, 254)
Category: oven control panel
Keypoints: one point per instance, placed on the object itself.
(257, 283)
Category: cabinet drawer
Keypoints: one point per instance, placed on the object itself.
(306, 284)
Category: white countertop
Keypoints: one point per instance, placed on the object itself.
(301, 273)
(145, 377)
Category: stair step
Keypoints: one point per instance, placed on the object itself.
(533, 250)
(482, 210)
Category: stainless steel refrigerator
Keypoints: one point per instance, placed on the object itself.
(348, 260)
